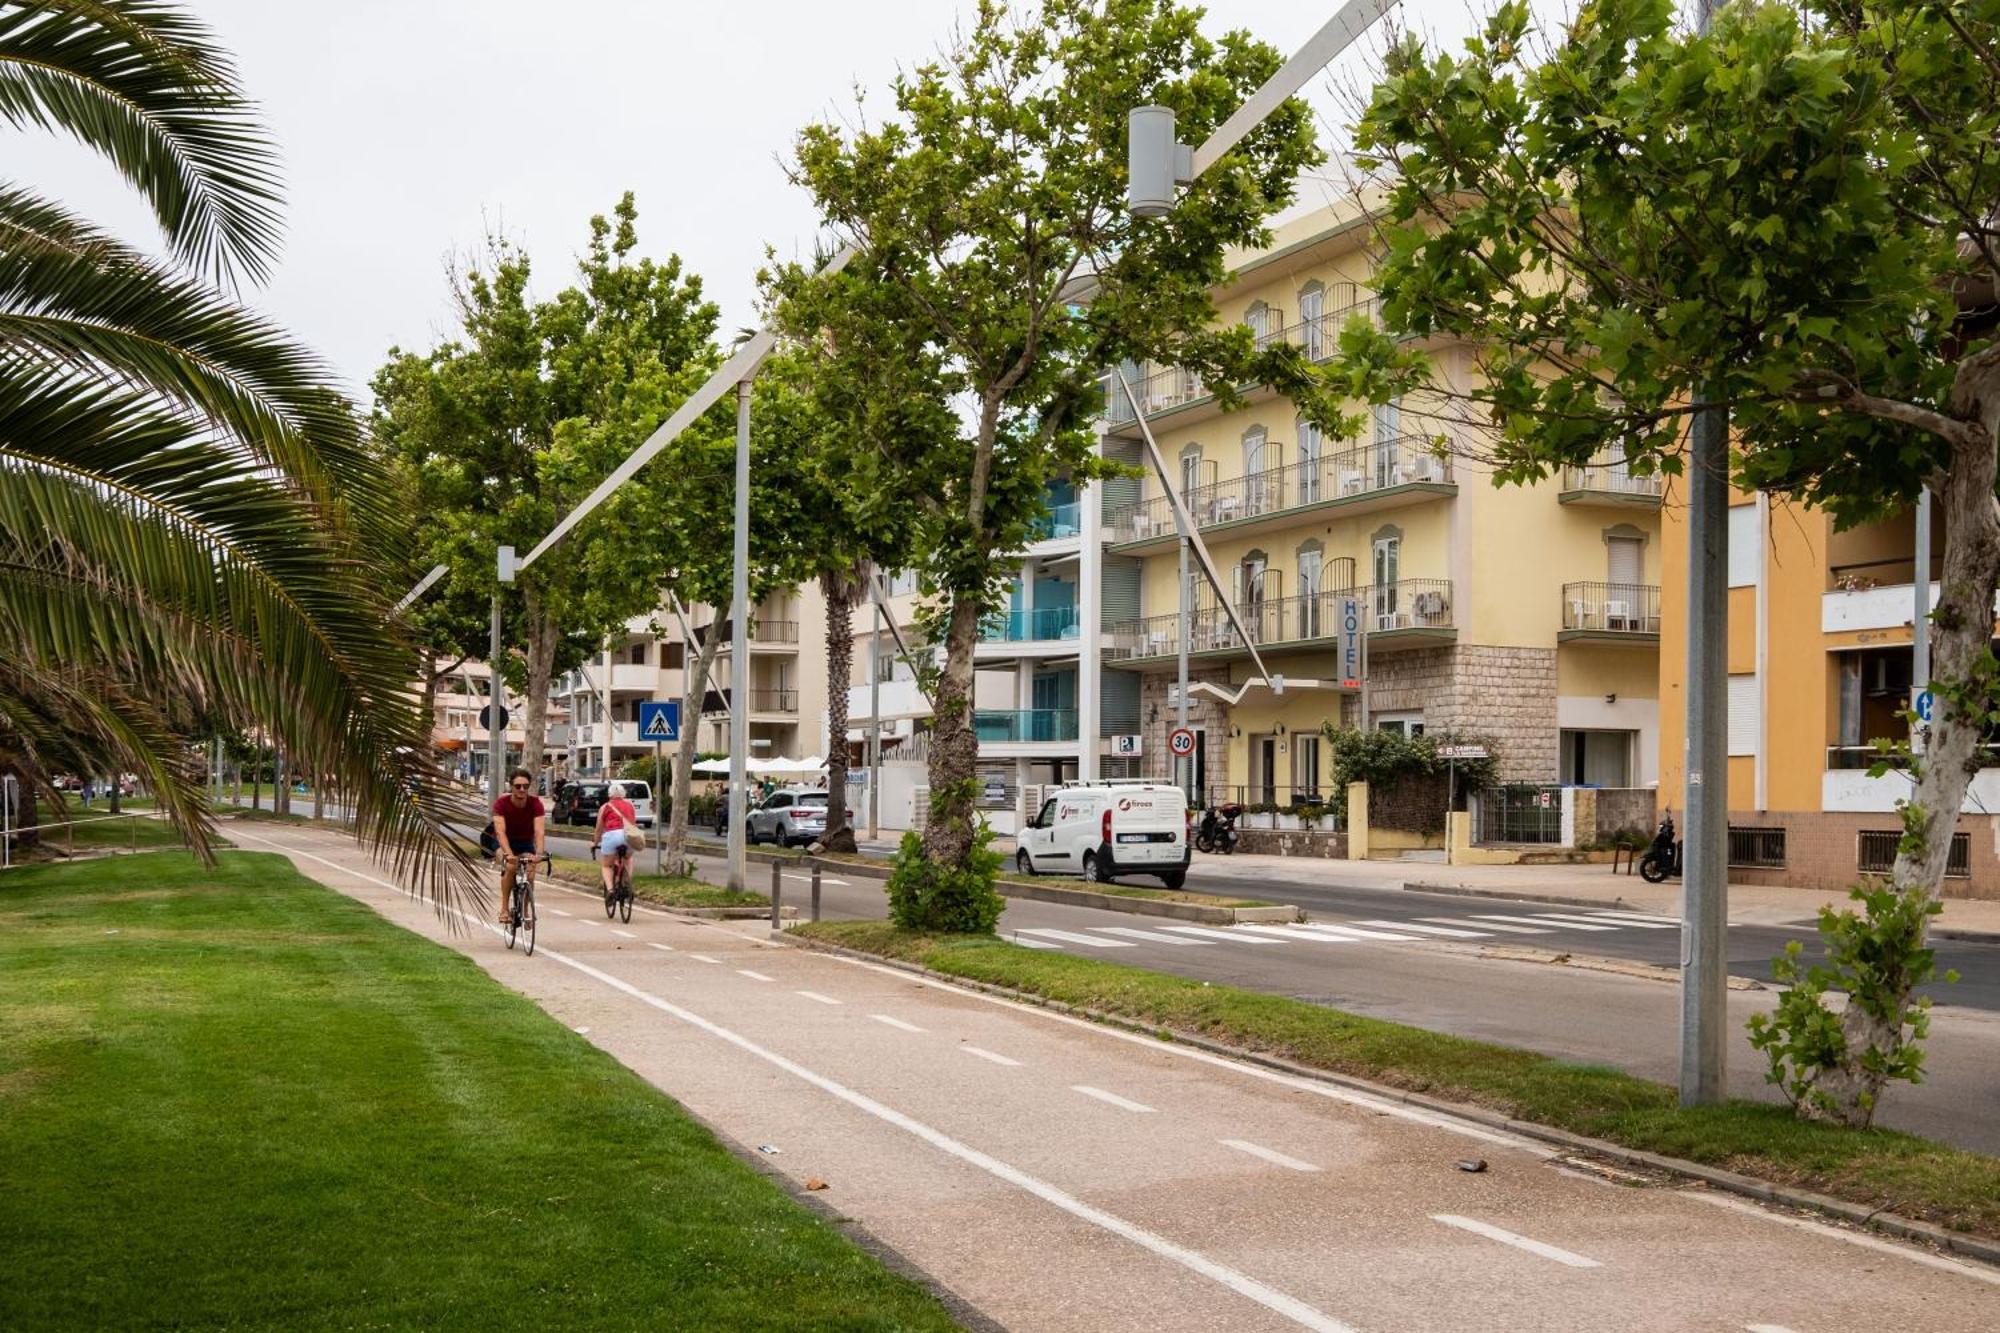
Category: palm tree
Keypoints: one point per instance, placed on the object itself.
(190, 528)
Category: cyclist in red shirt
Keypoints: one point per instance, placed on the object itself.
(614, 818)
(519, 823)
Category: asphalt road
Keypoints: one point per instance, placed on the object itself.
(1051, 1174)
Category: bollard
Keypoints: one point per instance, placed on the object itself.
(815, 892)
(777, 869)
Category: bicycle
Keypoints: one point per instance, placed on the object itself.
(521, 892)
(618, 898)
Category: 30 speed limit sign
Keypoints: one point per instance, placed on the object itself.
(1181, 742)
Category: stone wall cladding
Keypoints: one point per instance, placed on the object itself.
(1627, 809)
(1505, 695)
(1412, 803)
(1291, 842)
(1821, 850)
(1204, 714)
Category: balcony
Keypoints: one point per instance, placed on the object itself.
(633, 678)
(761, 701)
(1608, 480)
(1411, 611)
(781, 635)
(1384, 475)
(1041, 624)
(1162, 391)
(1061, 523)
(1025, 726)
(1610, 613)
(623, 734)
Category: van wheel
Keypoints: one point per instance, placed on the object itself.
(1174, 880)
(1024, 863)
(1094, 872)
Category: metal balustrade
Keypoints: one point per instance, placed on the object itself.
(1403, 605)
(1361, 470)
(1042, 623)
(1611, 608)
(1063, 520)
(1610, 474)
(1002, 725)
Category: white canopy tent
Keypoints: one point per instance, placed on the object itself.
(776, 767)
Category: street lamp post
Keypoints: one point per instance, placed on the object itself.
(739, 650)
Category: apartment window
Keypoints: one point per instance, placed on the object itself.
(1746, 554)
(1876, 853)
(885, 665)
(1388, 569)
(1756, 848)
(1597, 758)
(1312, 312)
(1255, 483)
(1190, 474)
(1311, 559)
(673, 655)
(1305, 766)
(1312, 444)
(637, 656)
(1403, 724)
(1745, 710)
(1388, 430)
(1262, 320)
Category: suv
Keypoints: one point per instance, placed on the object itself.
(791, 818)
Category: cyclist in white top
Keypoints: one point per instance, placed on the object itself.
(613, 817)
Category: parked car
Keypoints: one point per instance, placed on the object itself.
(577, 803)
(792, 817)
(1104, 830)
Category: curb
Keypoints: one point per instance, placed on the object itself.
(1587, 962)
(1750, 1187)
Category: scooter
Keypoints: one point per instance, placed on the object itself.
(1663, 858)
(1218, 829)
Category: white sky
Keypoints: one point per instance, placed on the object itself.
(409, 126)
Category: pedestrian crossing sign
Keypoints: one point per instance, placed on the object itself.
(660, 721)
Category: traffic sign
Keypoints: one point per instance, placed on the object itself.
(485, 716)
(659, 720)
(1181, 742)
(1926, 703)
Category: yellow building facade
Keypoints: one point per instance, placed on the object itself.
(1527, 615)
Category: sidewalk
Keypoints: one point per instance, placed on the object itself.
(1749, 904)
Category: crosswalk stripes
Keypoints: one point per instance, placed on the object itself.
(1423, 930)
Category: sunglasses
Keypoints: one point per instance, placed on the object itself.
(520, 786)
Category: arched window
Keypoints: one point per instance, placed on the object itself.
(1256, 464)
(1312, 566)
(1311, 462)
(1312, 319)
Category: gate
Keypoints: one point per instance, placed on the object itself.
(1532, 814)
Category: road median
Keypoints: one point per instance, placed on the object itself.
(1890, 1181)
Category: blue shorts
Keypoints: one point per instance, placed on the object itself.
(612, 841)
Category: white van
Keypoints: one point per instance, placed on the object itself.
(640, 793)
(1104, 830)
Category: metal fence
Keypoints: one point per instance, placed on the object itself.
(1875, 853)
(1756, 848)
(1531, 814)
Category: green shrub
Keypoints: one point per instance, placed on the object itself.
(956, 900)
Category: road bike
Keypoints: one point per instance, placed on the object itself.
(521, 903)
(618, 898)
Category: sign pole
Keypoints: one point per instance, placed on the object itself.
(659, 850)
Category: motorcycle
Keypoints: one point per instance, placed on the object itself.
(1663, 858)
(1218, 829)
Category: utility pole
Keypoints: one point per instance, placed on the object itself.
(496, 724)
(739, 653)
(1705, 845)
(1186, 764)
(875, 727)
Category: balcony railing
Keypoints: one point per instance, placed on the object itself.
(1611, 608)
(1064, 520)
(1348, 474)
(1612, 476)
(761, 701)
(1407, 604)
(1042, 623)
(1000, 725)
(1163, 390)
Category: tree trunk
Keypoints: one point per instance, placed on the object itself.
(842, 587)
(257, 777)
(954, 748)
(116, 778)
(27, 814)
(1961, 640)
(542, 636)
(694, 672)
(281, 787)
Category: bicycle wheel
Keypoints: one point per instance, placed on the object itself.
(527, 914)
(625, 898)
(514, 901)
(611, 898)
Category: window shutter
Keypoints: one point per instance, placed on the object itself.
(1745, 704)
(1745, 556)
(1625, 563)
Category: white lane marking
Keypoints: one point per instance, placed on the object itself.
(816, 996)
(1487, 925)
(1865, 1241)
(623, 934)
(896, 1023)
(1446, 931)
(1154, 936)
(1213, 934)
(558, 911)
(1071, 937)
(1578, 919)
(1033, 944)
(1351, 932)
(1616, 914)
(1545, 925)
(1242, 1284)
(704, 958)
(1331, 1091)
(1492, 1232)
(663, 948)
(1296, 933)
(1765, 1328)
(1292, 1163)
(586, 921)
(754, 976)
(1122, 1103)
(994, 1056)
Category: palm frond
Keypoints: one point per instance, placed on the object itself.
(144, 84)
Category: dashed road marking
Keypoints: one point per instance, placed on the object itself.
(1577, 919)
(704, 958)
(1519, 1242)
(558, 911)
(1445, 931)
(993, 1056)
(1299, 933)
(1488, 925)
(663, 948)
(1866, 1242)
(1765, 1328)
(1210, 933)
(1112, 1098)
(586, 921)
(1291, 1163)
(754, 976)
(1033, 944)
(817, 997)
(624, 934)
(1071, 937)
(1344, 931)
(896, 1023)
(1153, 936)
(1538, 921)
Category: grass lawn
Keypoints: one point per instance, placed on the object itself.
(1900, 1172)
(95, 828)
(229, 1097)
(666, 890)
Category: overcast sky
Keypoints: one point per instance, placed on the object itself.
(409, 126)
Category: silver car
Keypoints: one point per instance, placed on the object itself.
(788, 818)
